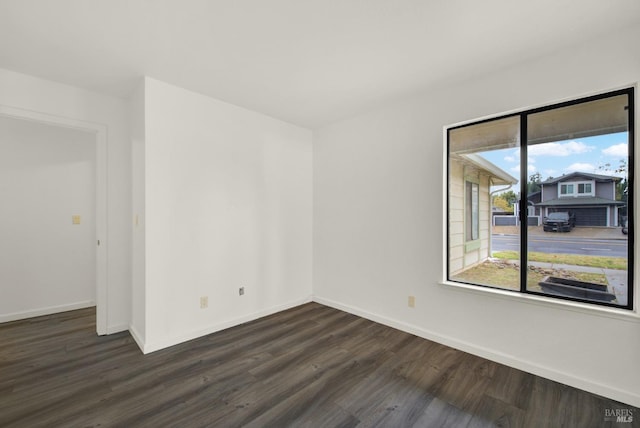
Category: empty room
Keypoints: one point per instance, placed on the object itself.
(318, 213)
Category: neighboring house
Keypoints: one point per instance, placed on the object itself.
(470, 180)
(534, 216)
(591, 197)
(532, 200)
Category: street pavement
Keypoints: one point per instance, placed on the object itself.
(563, 244)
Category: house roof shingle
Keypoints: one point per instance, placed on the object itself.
(596, 177)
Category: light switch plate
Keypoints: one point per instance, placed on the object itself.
(75, 219)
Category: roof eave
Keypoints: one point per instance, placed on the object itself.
(502, 176)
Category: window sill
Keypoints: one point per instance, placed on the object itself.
(585, 308)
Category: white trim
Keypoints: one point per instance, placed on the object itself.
(148, 347)
(445, 205)
(111, 329)
(575, 193)
(136, 337)
(14, 316)
(549, 302)
(629, 397)
(102, 298)
(636, 158)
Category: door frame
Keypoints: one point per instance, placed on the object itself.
(100, 132)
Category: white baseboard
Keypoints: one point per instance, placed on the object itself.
(628, 397)
(148, 347)
(137, 337)
(112, 329)
(15, 316)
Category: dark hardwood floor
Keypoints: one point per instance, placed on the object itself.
(309, 366)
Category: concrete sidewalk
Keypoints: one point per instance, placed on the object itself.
(617, 279)
(576, 232)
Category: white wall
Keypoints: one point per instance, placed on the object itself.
(31, 94)
(47, 175)
(227, 202)
(378, 183)
(138, 296)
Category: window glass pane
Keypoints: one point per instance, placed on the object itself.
(580, 249)
(483, 230)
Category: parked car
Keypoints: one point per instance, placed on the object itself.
(559, 222)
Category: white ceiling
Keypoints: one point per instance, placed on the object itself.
(308, 62)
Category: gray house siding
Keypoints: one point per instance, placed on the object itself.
(549, 191)
(606, 190)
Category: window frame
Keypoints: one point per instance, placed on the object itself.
(631, 307)
(472, 212)
(575, 185)
(584, 184)
(564, 190)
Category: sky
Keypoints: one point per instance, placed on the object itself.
(590, 155)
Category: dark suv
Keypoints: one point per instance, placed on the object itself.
(559, 222)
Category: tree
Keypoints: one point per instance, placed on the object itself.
(505, 200)
(501, 204)
(622, 168)
(509, 196)
(533, 185)
(621, 186)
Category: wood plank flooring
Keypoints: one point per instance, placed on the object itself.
(311, 366)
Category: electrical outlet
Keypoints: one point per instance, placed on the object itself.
(204, 302)
(412, 301)
(241, 291)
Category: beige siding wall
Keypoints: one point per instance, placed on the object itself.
(456, 218)
(462, 257)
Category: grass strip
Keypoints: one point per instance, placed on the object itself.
(507, 276)
(619, 263)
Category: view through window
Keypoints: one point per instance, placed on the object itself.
(549, 189)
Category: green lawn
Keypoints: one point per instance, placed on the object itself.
(568, 259)
(507, 275)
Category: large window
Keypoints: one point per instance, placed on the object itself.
(540, 202)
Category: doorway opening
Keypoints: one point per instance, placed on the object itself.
(89, 228)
